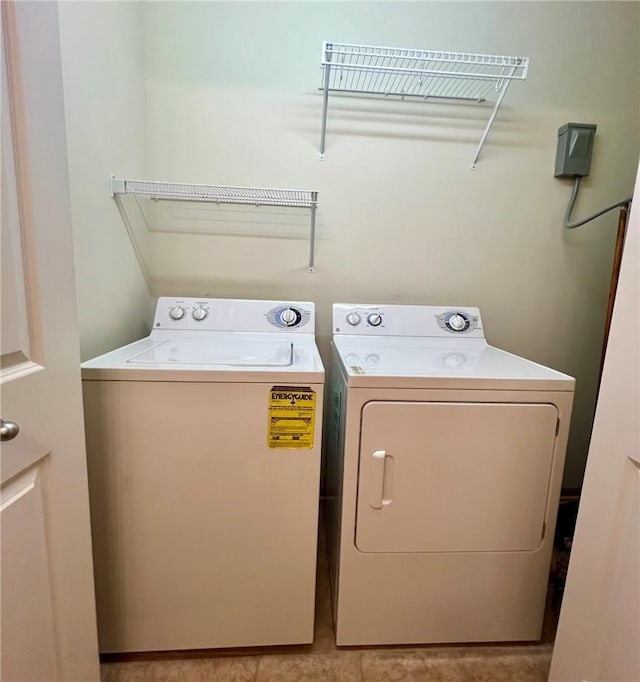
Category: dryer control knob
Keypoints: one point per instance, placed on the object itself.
(290, 317)
(457, 322)
(176, 313)
(375, 319)
(353, 319)
(199, 313)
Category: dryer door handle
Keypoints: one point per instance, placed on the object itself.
(380, 479)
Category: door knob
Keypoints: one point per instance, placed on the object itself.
(8, 430)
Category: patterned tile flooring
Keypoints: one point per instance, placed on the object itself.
(323, 662)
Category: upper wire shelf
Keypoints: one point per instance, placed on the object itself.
(417, 74)
(224, 194)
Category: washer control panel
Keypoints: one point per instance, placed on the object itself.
(221, 314)
(406, 320)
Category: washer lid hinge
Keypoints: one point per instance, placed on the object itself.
(558, 426)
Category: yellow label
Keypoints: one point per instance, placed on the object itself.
(292, 416)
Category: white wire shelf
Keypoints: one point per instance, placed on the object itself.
(408, 73)
(219, 194)
(224, 194)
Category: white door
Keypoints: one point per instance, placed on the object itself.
(599, 630)
(48, 629)
(454, 477)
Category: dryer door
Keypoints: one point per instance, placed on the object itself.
(454, 477)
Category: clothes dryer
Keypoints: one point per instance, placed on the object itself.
(203, 444)
(445, 460)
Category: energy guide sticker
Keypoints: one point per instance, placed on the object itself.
(292, 416)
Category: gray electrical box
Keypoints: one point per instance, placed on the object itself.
(575, 143)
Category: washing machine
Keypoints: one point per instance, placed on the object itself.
(203, 445)
(445, 459)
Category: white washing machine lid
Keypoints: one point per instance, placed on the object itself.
(211, 356)
(240, 352)
(422, 362)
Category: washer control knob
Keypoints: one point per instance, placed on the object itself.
(457, 322)
(375, 319)
(353, 319)
(290, 317)
(176, 313)
(199, 313)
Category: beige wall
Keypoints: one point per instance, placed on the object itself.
(231, 98)
(104, 101)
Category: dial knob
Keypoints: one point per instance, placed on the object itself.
(176, 313)
(457, 322)
(353, 319)
(290, 317)
(375, 319)
(199, 313)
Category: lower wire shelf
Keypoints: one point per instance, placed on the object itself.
(225, 194)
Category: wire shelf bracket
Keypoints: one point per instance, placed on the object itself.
(417, 74)
(224, 194)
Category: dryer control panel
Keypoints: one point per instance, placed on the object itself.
(241, 315)
(406, 320)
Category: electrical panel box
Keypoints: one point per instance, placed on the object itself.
(575, 144)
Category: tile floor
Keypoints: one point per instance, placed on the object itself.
(323, 662)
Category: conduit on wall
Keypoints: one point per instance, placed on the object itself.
(619, 247)
(572, 200)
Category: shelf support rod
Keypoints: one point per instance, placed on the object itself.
(312, 230)
(325, 103)
(492, 118)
